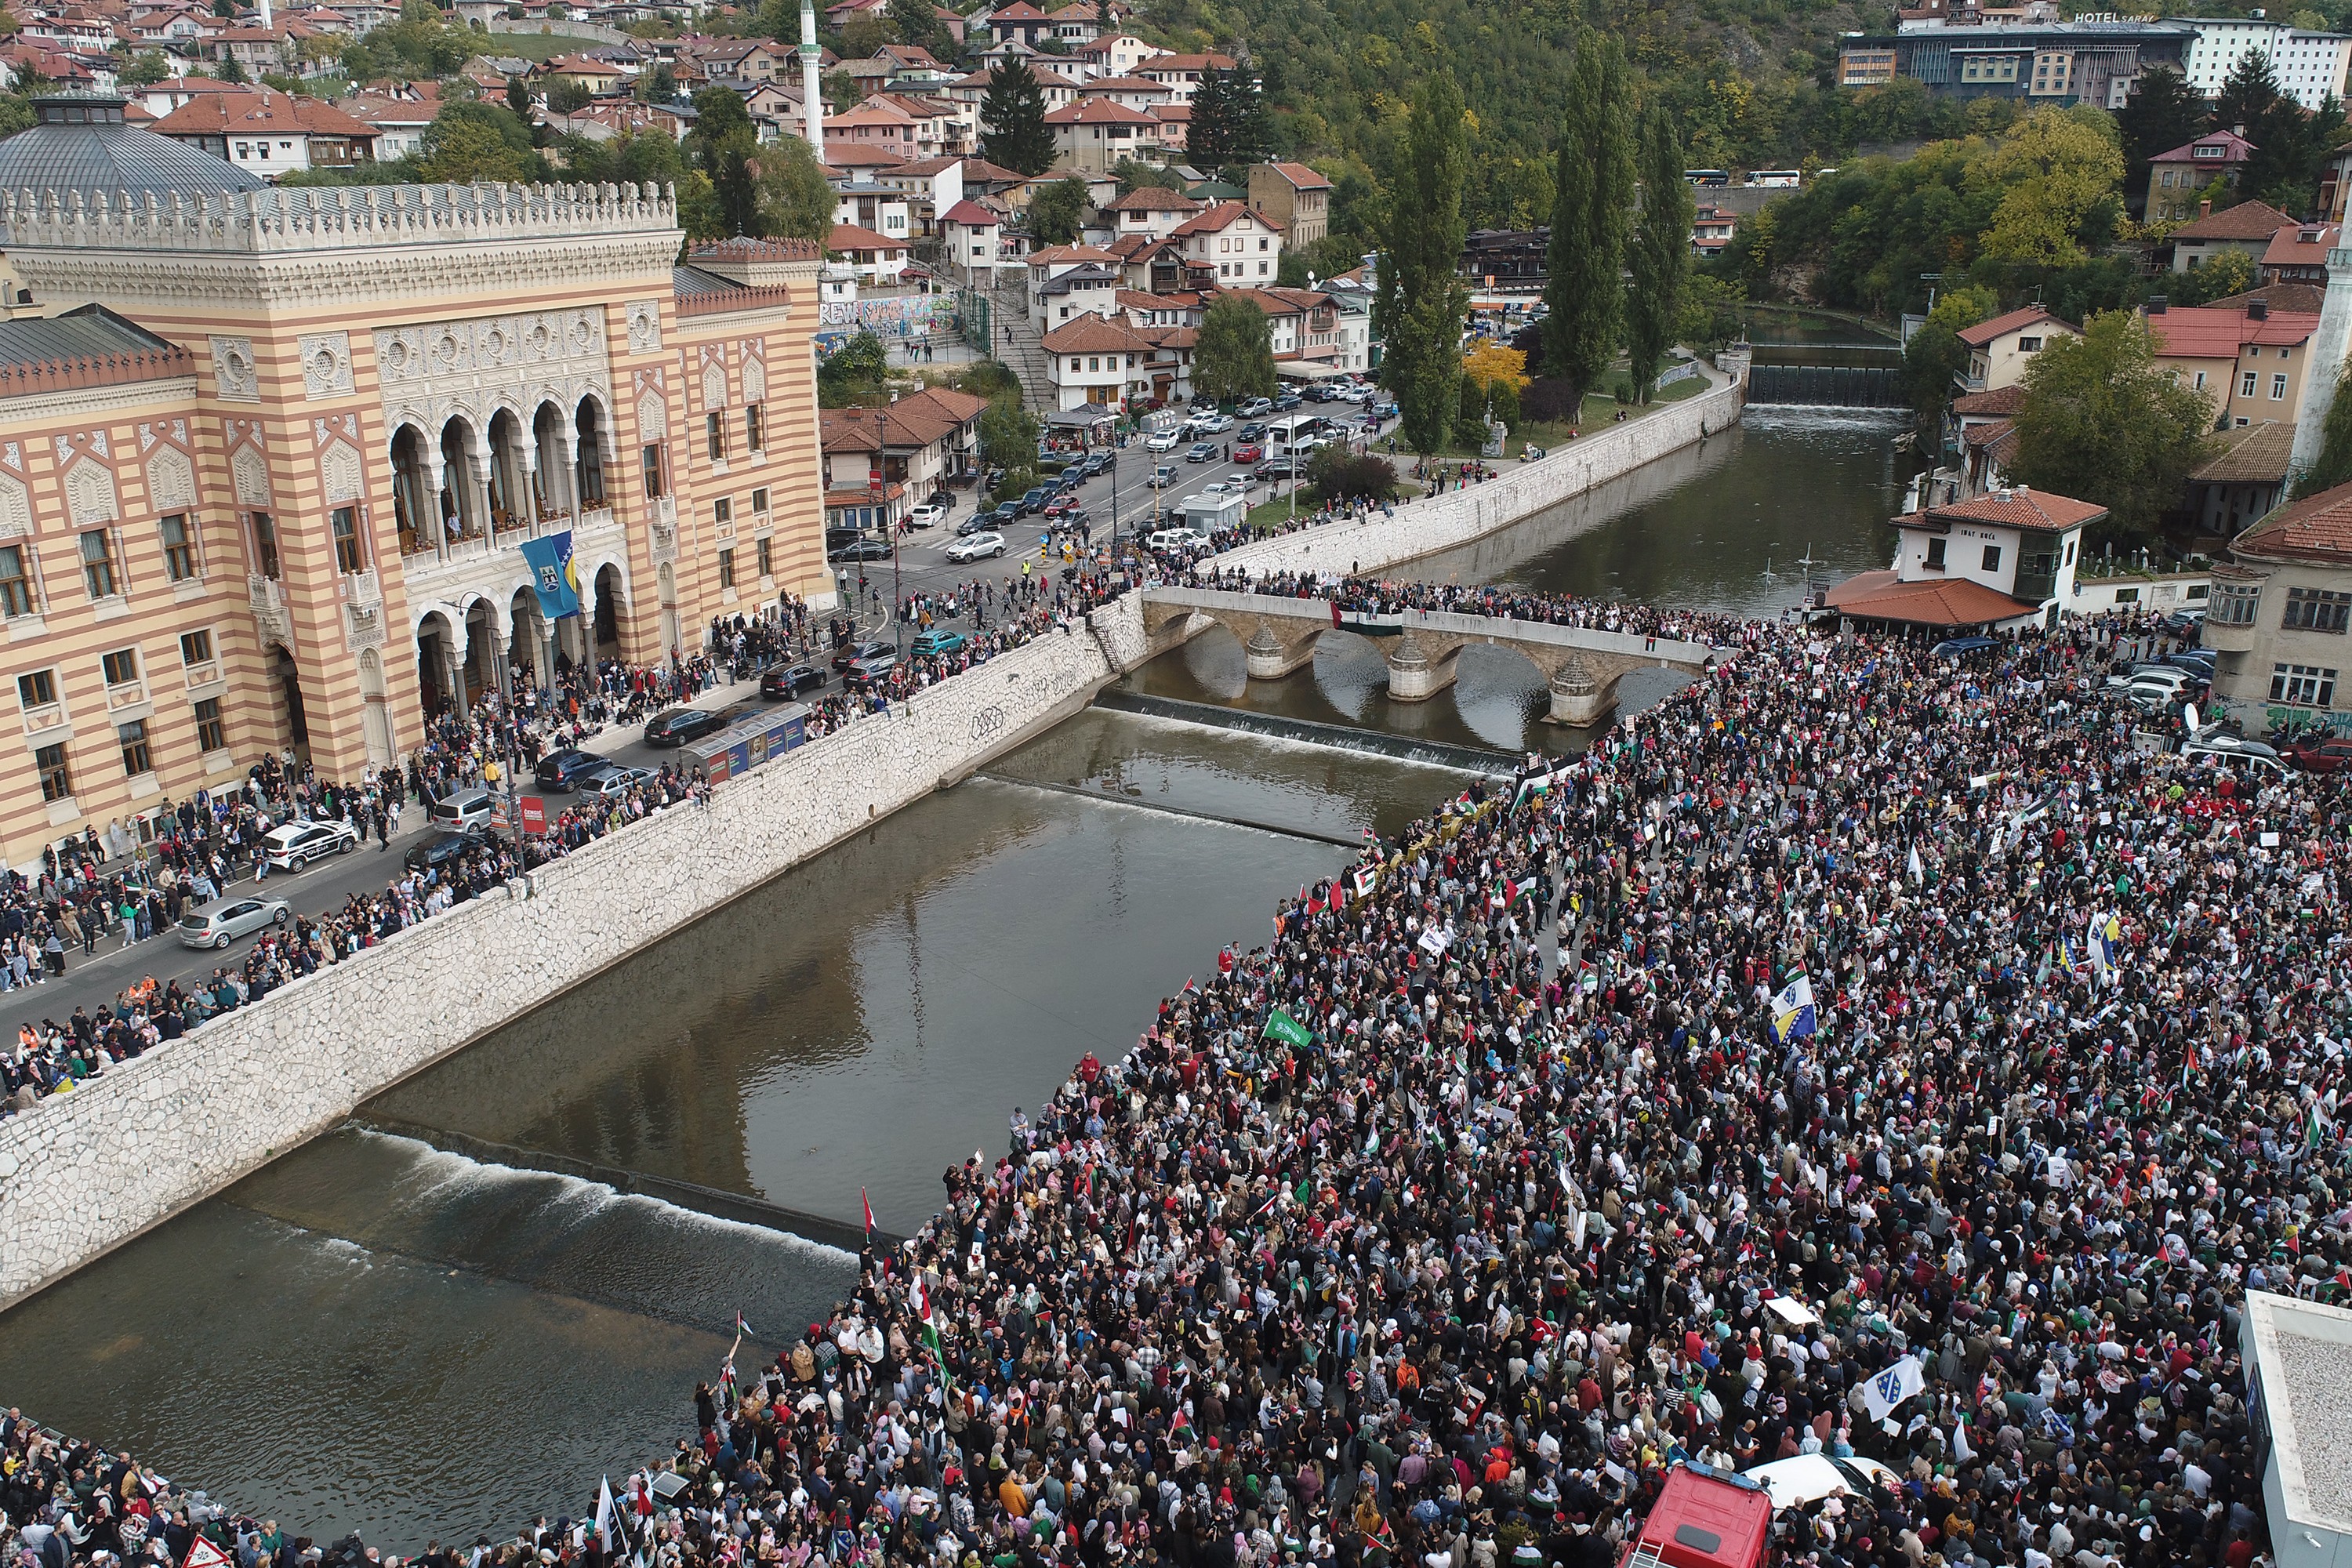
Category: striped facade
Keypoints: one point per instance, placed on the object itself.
(369, 399)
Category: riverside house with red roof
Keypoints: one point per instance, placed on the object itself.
(1999, 350)
(2279, 620)
(2001, 560)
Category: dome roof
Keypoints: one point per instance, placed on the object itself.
(78, 142)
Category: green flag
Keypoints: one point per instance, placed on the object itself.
(1289, 1030)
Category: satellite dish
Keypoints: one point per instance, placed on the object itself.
(2189, 716)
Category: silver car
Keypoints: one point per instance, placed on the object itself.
(219, 924)
(608, 783)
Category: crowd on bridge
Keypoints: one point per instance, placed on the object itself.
(1437, 1229)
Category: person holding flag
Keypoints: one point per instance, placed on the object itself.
(1792, 1011)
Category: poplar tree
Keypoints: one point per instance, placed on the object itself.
(1589, 216)
(1421, 301)
(1661, 258)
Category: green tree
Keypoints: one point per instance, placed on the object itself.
(1420, 301)
(724, 142)
(1056, 211)
(1234, 356)
(565, 95)
(1935, 354)
(1595, 184)
(1661, 252)
(1133, 176)
(796, 201)
(858, 369)
(2227, 273)
(232, 71)
(2102, 423)
(2163, 112)
(2333, 466)
(473, 140)
(148, 68)
(1229, 126)
(1014, 111)
(2057, 173)
(912, 21)
(1008, 441)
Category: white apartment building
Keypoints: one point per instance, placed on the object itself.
(2309, 67)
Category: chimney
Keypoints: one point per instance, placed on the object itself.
(2205, 207)
(2239, 132)
(2258, 310)
(2155, 304)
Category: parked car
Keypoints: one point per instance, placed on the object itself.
(465, 809)
(1273, 469)
(1099, 462)
(442, 847)
(562, 770)
(1215, 424)
(1253, 406)
(1068, 485)
(1162, 441)
(790, 679)
(677, 726)
(861, 550)
(1034, 498)
(2319, 754)
(1252, 431)
(1284, 401)
(1957, 647)
(1163, 476)
(614, 779)
(937, 640)
(976, 546)
(1059, 506)
(872, 671)
(855, 651)
(1248, 452)
(1182, 540)
(2232, 750)
(300, 842)
(1201, 452)
(223, 922)
(927, 516)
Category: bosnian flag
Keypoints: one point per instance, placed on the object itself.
(1792, 1010)
(867, 1205)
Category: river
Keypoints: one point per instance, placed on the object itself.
(373, 1334)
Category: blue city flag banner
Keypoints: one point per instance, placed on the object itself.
(552, 574)
(1792, 1010)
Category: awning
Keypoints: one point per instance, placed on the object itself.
(1308, 370)
(1082, 417)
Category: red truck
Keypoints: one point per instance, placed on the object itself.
(1703, 1518)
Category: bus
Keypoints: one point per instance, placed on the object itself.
(1295, 434)
(1707, 178)
(1776, 179)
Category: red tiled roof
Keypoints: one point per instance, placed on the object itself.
(2247, 220)
(2289, 247)
(2239, 147)
(850, 237)
(258, 108)
(1884, 597)
(2000, 400)
(1983, 332)
(970, 214)
(1300, 176)
(1154, 199)
(2036, 512)
(1055, 255)
(1220, 216)
(2208, 332)
(2317, 529)
(1097, 112)
(1091, 333)
(1986, 434)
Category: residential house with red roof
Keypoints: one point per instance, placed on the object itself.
(2000, 349)
(2280, 616)
(2177, 179)
(1151, 212)
(1067, 281)
(922, 441)
(1117, 55)
(1094, 134)
(2002, 559)
(2248, 359)
(1231, 243)
(2247, 227)
(1020, 21)
(875, 257)
(1293, 197)
(972, 241)
(1183, 72)
(271, 133)
(1100, 361)
(2298, 253)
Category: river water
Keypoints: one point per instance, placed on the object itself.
(373, 1334)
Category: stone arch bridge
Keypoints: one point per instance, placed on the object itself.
(1422, 647)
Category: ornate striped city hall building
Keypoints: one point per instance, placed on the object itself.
(267, 455)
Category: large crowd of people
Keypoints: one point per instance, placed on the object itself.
(1438, 1228)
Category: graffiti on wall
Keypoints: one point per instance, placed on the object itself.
(891, 315)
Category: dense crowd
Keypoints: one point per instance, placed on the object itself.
(1438, 1228)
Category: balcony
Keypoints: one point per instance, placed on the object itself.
(2223, 636)
(363, 609)
(662, 528)
(595, 522)
(268, 598)
(47, 717)
(128, 694)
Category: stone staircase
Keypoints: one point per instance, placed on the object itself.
(1018, 346)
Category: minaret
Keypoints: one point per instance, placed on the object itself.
(812, 92)
(2323, 363)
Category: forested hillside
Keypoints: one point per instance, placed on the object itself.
(1743, 79)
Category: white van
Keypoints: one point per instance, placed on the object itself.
(1176, 539)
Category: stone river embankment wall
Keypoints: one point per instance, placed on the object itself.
(81, 1173)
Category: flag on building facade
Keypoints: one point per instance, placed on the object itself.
(552, 575)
